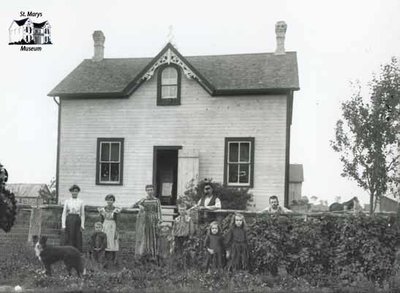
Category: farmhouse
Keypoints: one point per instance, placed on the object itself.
(30, 194)
(172, 119)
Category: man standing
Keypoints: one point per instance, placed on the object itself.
(209, 200)
(275, 208)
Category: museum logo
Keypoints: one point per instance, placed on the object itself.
(29, 33)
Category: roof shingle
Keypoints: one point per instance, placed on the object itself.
(263, 71)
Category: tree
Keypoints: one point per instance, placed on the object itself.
(368, 136)
(8, 204)
(49, 195)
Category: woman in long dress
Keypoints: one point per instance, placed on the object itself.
(73, 219)
(108, 216)
(147, 222)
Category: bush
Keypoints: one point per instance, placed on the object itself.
(349, 249)
(235, 198)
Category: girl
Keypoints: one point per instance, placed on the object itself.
(73, 219)
(108, 216)
(236, 243)
(147, 224)
(214, 244)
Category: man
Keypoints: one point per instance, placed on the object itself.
(275, 208)
(209, 201)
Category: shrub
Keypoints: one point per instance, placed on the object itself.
(350, 248)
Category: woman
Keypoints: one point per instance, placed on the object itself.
(73, 219)
(147, 223)
(108, 216)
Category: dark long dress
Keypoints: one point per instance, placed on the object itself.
(216, 243)
(236, 242)
(146, 227)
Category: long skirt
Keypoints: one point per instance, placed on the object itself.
(110, 228)
(146, 235)
(215, 260)
(73, 234)
(239, 256)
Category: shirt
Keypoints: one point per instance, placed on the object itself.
(183, 226)
(280, 209)
(207, 201)
(73, 206)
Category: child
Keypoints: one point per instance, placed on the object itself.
(236, 243)
(108, 216)
(165, 242)
(97, 242)
(182, 229)
(214, 244)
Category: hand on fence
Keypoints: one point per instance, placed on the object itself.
(211, 251)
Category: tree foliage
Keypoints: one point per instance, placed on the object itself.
(367, 136)
(8, 204)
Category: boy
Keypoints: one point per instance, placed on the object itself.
(97, 242)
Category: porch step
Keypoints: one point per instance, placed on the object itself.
(168, 213)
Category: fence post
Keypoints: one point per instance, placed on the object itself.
(35, 223)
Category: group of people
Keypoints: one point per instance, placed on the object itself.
(155, 238)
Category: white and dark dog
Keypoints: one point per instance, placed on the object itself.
(48, 255)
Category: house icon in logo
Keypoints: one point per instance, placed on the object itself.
(25, 31)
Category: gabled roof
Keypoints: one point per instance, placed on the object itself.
(39, 25)
(296, 173)
(21, 21)
(27, 189)
(218, 74)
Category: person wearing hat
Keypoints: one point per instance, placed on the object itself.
(73, 219)
(209, 200)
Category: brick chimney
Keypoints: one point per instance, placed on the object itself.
(98, 38)
(280, 30)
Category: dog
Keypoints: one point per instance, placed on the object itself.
(49, 255)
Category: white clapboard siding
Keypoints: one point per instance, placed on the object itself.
(201, 122)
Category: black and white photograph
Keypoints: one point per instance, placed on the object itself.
(200, 146)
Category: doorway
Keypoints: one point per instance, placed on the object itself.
(165, 173)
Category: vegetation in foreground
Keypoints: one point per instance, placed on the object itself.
(354, 253)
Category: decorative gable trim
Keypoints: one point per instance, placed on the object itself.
(167, 58)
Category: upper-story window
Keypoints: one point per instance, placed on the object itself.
(169, 85)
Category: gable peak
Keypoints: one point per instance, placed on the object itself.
(169, 55)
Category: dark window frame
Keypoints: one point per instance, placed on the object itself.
(228, 140)
(168, 102)
(121, 168)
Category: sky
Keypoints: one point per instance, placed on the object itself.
(337, 42)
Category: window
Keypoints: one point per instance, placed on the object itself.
(239, 162)
(109, 161)
(169, 85)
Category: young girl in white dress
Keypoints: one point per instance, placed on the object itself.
(108, 216)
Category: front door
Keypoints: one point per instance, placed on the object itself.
(165, 173)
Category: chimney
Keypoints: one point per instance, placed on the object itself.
(98, 38)
(280, 30)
